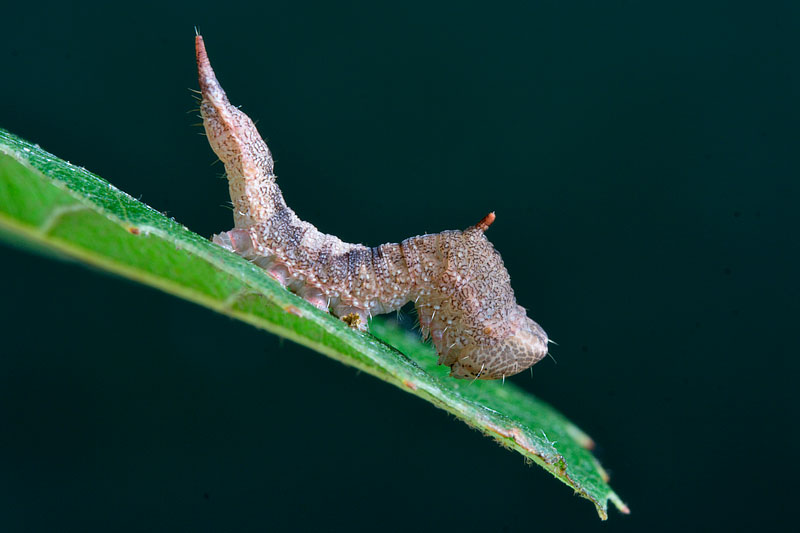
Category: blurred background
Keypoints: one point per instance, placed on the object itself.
(642, 162)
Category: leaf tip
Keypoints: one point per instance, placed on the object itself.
(619, 504)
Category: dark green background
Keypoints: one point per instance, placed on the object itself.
(642, 161)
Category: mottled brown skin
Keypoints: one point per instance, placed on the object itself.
(457, 280)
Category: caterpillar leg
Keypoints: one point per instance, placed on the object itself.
(238, 241)
(354, 317)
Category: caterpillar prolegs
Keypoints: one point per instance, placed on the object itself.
(456, 279)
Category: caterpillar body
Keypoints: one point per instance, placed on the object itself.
(460, 287)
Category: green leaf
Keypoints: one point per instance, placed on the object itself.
(55, 207)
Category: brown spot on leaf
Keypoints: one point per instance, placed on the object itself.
(409, 384)
(293, 310)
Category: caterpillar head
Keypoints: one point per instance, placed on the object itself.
(471, 314)
(517, 351)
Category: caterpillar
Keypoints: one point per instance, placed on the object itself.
(457, 280)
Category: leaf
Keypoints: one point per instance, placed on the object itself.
(53, 206)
